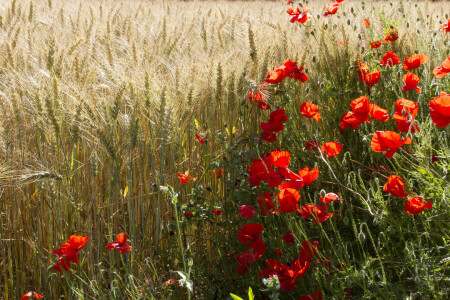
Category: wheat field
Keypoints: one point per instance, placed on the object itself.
(100, 103)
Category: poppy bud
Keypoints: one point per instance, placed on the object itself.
(403, 111)
(348, 21)
(391, 4)
(352, 10)
(314, 59)
(359, 36)
(312, 33)
(362, 49)
(407, 25)
(418, 31)
(377, 182)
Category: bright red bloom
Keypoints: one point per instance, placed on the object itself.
(308, 176)
(289, 238)
(199, 138)
(391, 36)
(184, 178)
(363, 70)
(331, 149)
(309, 250)
(218, 172)
(289, 69)
(286, 275)
(288, 200)
(310, 110)
(328, 198)
(269, 136)
(414, 206)
(68, 252)
(272, 125)
(256, 248)
(280, 159)
(395, 186)
(376, 44)
(443, 69)
(388, 141)
(440, 110)
(250, 232)
(331, 9)
(414, 61)
(316, 295)
(217, 212)
(170, 282)
(411, 81)
(390, 59)
(405, 112)
(372, 78)
(31, 294)
(313, 144)
(297, 16)
(246, 211)
(259, 170)
(279, 115)
(378, 113)
(352, 120)
(366, 23)
(119, 244)
(318, 212)
(275, 76)
(266, 203)
(445, 26)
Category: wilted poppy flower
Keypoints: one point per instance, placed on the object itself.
(363, 70)
(328, 198)
(199, 138)
(308, 176)
(366, 23)
(445, 26)
(250, 232)
(280, 159)
(266, 203)
(31, 294)
(414, 61)
(317, 295)
(246, 211)
(415, 205)
(331, 9)
(388, 141)
(391, 36)
(318, 212)
(372, 78)
(170, 282)
(184, 178)
(313, 144)
(331, 149)
(288, 200)
(411, 81)
(310, 110)
(395, 186)
(68, 252)
(309, 250)
(390, 59)
(440, 110)
(289, 238)
(217, 212)
(119, 244)
(376, 44)
(443, 69)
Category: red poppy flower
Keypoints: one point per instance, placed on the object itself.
(218, 172)
(405, 112)
(278, 252)
(318, 212)
(275, 76)
(376, 44)
(288, 200)
(331, 149)
(313, 144)
(366, 23)
(317, 295)
(259, 170)
(414, 61)
(328, 198)
(445, 26)
(297, 16)
(395, 186)
(443, 69)
(68, 252)
(363, 70)
(408, 125)
(338, 1)
(272, 125)
(119, 244)
(352, 120)
(217, 212)
(415, 205)
(269, 136)
(391, 36)
(331, 9)
(440, 110)
(250, 232)
(286, 275)
(266, 203)
(378, 113)
(372, 78)
(309, 250)
(184, 178)
(256, 248)
(411, 81)
(170, 282)
(390, 59)
(31, 294)
(280, 159)
(199, 138)
(246, 211)
(308, 176)
(289, 238)
(388, 141)
(310, 110)
(189, 215)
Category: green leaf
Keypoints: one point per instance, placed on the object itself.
(235, 297)
(250, 294)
